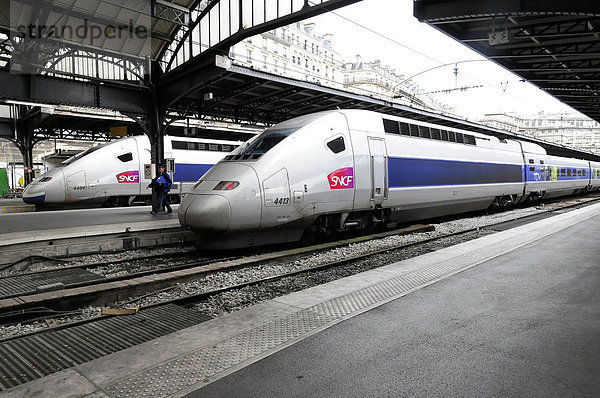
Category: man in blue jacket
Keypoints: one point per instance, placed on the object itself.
(161, 184)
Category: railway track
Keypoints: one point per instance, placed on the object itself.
(54, 282)
(63, 346)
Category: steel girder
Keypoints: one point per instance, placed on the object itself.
(56, 91)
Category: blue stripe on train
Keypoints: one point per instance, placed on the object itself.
(410, 172)
(189, 172)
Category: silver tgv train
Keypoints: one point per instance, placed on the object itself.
(114, 172)
(351, 169)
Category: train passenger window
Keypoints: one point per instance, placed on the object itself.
(541, 162)
(126, 157)
(451, 136)
(584, 173)
(214, 147)
(531, 161)
(444, 135)
(562, 173)
(337, 145)
(568, 172)
(179, 145)
(460, 138)
(470, 140)
(414, 130)
(578, 173)
(202, 146)
(391, 126)
(424, 132)
(574, 173)
(532, 169)
(404, 128)
(436, 134)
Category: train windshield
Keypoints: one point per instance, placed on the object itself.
(80, 155)
(267, 140)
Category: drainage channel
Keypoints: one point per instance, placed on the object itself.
(35, 282)
(32, 357)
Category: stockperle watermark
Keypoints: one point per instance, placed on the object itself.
(41, 29)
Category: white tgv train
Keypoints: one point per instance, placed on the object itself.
(352, 169)
(113, 173)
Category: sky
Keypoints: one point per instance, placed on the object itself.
(388, 31)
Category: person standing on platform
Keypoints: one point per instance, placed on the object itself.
(161, 185)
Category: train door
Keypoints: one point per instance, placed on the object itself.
(378, 158)
(76, 185)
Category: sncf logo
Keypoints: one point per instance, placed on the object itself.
(128, 177)
(341, 178)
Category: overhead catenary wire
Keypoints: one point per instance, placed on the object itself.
(503, 85)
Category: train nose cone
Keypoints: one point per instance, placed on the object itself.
(209, 212)
(34, 193)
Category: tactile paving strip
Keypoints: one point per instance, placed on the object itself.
(199, 366)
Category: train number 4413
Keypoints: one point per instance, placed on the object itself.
(282, 201)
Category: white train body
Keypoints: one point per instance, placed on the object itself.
(115, 170)
(340, 170)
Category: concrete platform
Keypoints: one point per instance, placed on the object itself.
(14, 206)
(511, 314)
(81, 231)
(60, 224)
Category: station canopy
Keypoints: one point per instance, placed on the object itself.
(554, 45)
(97, 54)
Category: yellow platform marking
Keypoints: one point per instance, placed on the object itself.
(17, 209)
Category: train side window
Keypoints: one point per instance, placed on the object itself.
(541, 162)
(584, 172)
(460, 138)
(414, 130)
(568, 172)
(337, 145)
(444, 135)
(578, 173)
(562, 173)
(531, 161)
(451, 136)
(436, 134)
(469, 139)
(202, 146)
(532, 169)
(391, 126)
(126, 157)
(179, 145)
(424, 132)
(404, 128)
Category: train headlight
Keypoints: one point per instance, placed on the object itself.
(226, 186)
